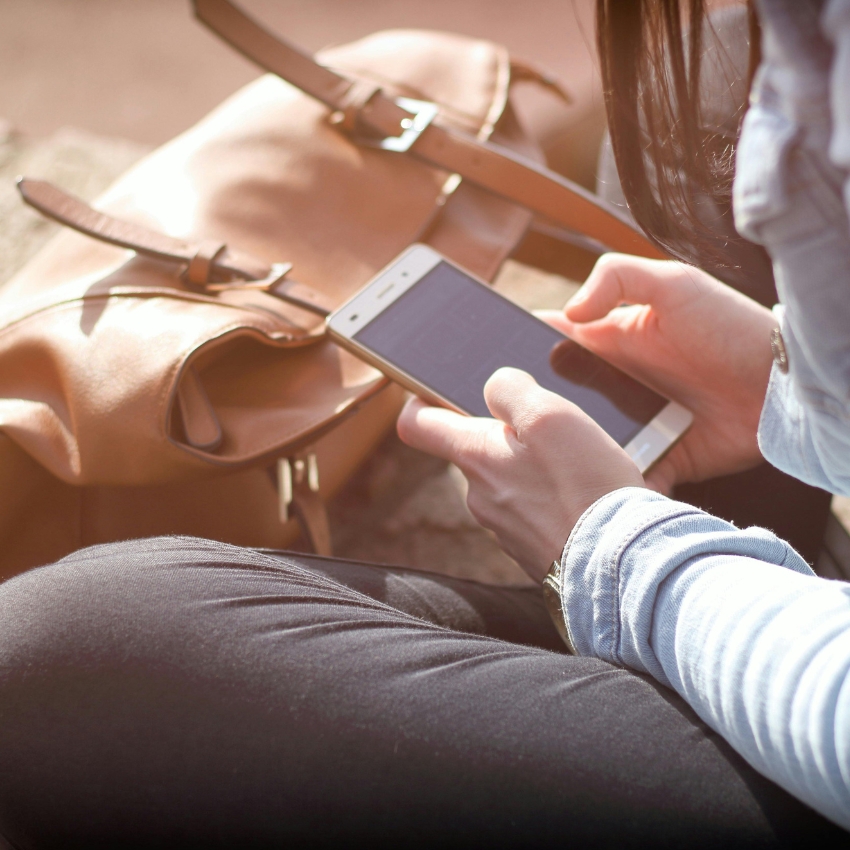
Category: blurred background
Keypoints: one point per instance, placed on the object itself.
(144, 69)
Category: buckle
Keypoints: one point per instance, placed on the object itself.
(276, 274)
(422, 112)
(294, 472)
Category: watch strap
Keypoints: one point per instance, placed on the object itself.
(555, 605)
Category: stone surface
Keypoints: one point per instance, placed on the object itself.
(77, 161)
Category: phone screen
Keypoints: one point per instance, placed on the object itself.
(451, 333)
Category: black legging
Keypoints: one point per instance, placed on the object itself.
(181, 693)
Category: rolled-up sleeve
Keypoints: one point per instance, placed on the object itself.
(734, 620)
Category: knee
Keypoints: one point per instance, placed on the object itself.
(96, 596)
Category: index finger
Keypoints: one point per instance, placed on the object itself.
(439, 431)
(515, 398)
(618, 279)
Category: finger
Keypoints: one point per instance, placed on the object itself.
(514, 397)
(660, 479)
(439, 431)
(610, 338)
(555, 319)
(618, 279)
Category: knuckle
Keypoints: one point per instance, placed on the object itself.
(476, 449)
(610, 265)
(546, 420)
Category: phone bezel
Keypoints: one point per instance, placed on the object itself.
(645, 448)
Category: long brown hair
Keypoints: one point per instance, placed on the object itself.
(669, 161)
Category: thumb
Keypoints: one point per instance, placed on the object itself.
(515, 398)
(619, 279)
(436, 430)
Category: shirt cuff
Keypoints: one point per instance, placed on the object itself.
(619, 553)
(784, 435)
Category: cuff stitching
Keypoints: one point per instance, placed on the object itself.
(616, 562)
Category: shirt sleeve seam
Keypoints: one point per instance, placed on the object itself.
(615, 569)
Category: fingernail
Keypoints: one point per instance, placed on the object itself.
(578, 297)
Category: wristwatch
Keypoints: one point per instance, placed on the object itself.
(552, 595)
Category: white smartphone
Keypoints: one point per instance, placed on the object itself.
(441, 332)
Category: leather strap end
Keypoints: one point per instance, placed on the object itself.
(523, 71)
(54, 203)
(205, 260)
(309, 508)
(200, 423)
(300, 295)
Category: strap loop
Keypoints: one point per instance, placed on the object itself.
(200, 266)
(352, 103)
(209, 259)
(499, 170)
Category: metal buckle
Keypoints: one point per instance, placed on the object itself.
(423, 112)
(277, 273)
(292, 472)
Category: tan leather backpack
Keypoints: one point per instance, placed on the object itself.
(171, 374)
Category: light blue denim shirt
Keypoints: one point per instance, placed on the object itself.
(734, 620)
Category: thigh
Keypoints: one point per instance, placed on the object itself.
(514, 614)
(185, 693)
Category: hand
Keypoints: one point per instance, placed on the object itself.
(532, 470)
(692, 338)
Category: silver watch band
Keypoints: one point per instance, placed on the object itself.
(552, 595)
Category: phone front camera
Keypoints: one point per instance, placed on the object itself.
(353, 317)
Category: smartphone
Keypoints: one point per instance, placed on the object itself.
(441, 332)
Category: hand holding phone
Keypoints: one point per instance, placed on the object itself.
(533, 468)
(697, 340)
(442, 333)
(540, 440)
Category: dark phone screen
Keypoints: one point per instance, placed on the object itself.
(451, 333)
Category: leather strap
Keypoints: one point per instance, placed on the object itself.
(297, 481)
(200, 270)
(206, 261)
(309, 508)
(493, 167)
(200, 423)
(53, 202)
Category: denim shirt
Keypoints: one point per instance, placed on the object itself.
(735, 620)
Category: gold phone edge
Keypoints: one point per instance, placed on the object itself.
(387, 368)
